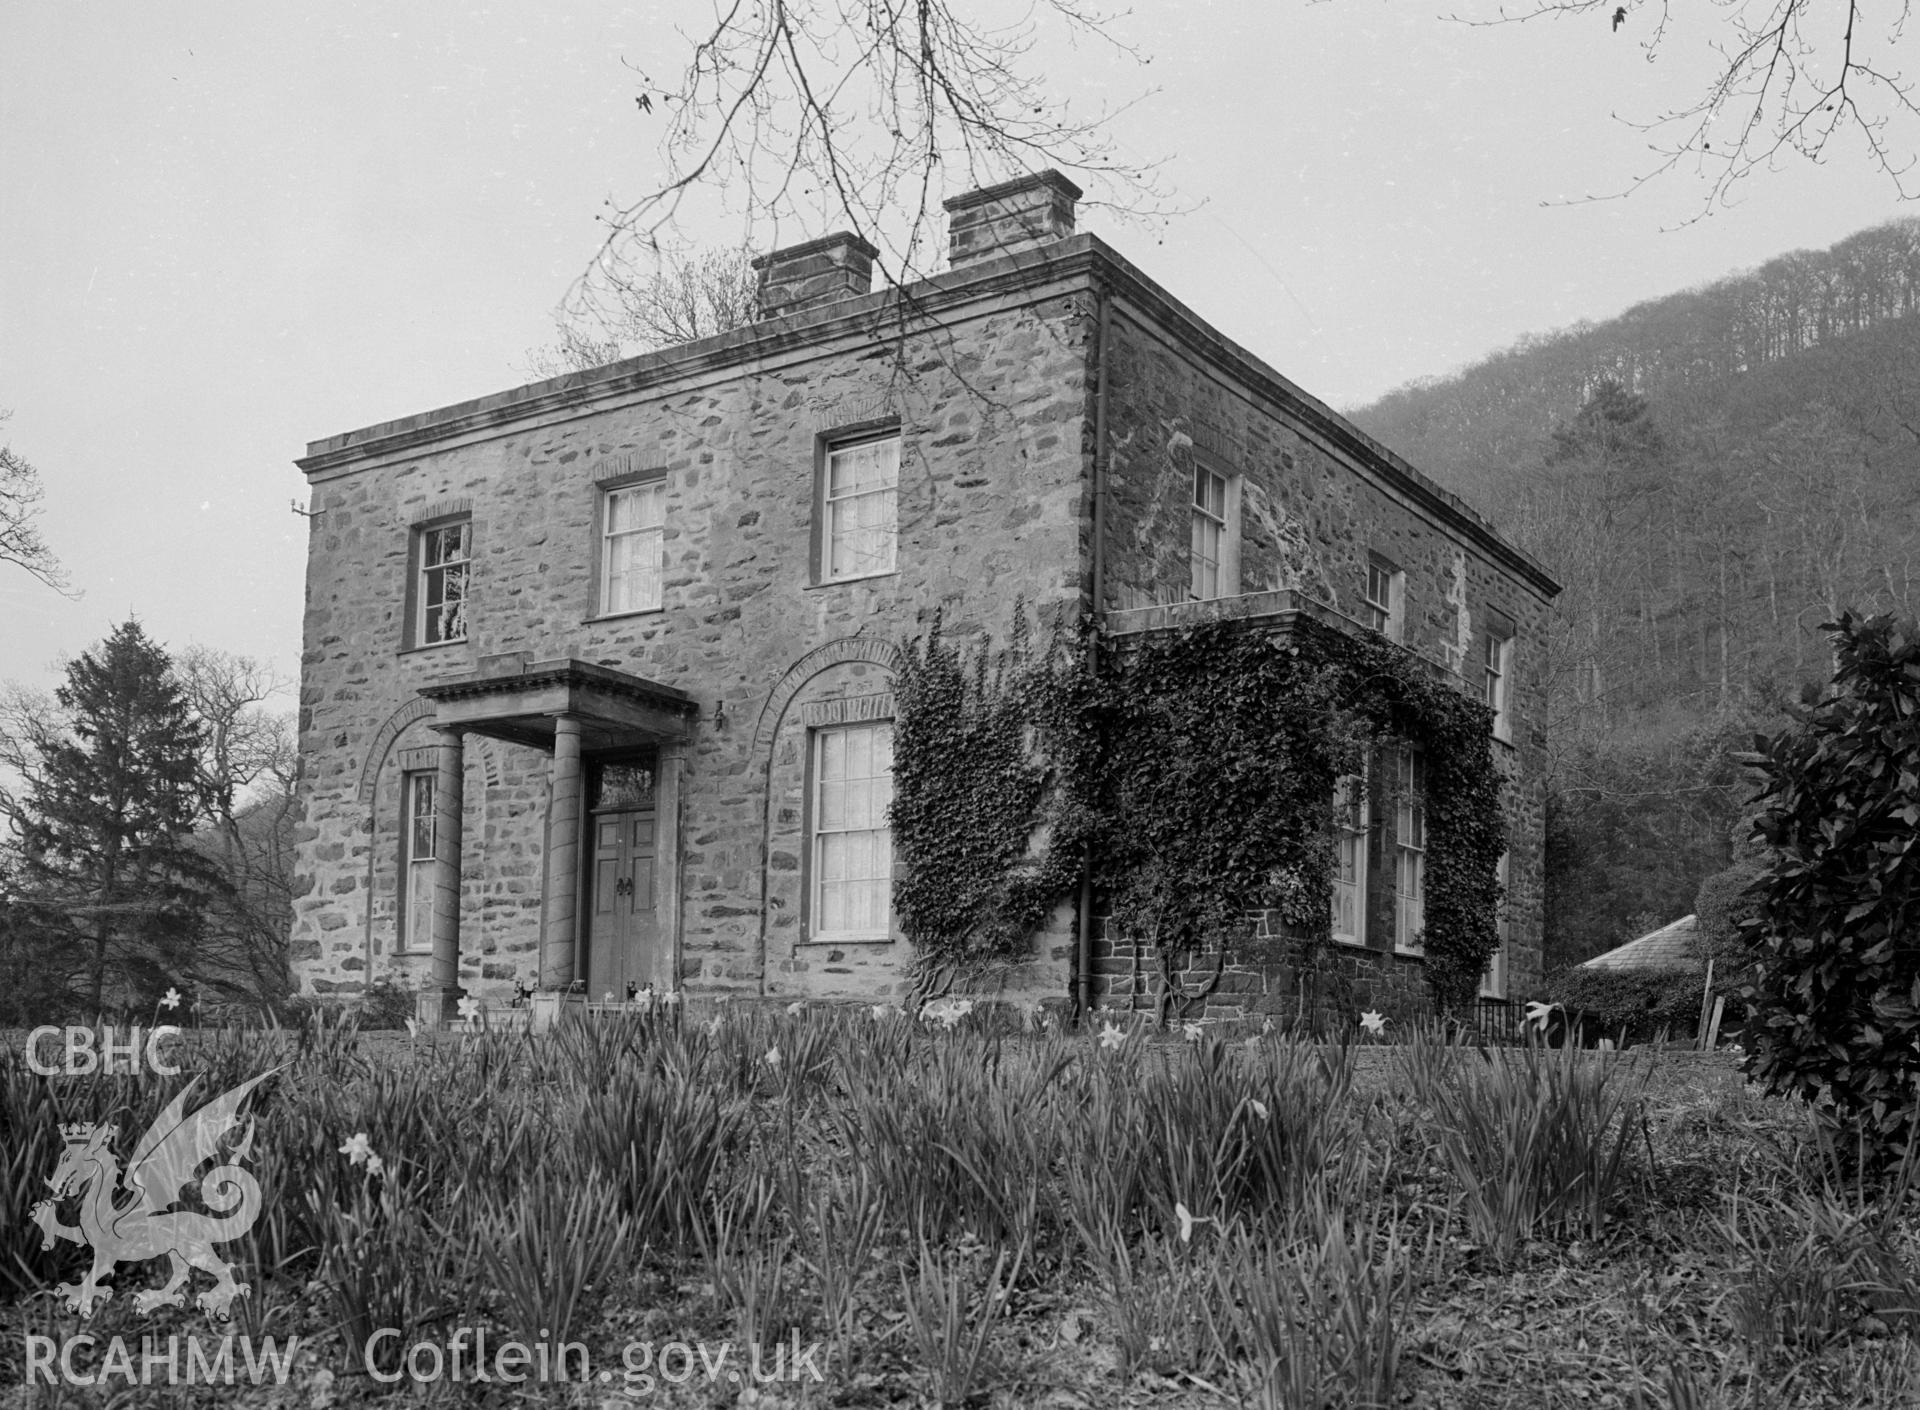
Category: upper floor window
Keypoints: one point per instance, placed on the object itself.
(1410, 850)
(852, 883)
(1386, 590)
(419, 849)
(1215, 536)
(1493, 983)
(1499, 681)
(444, 554)
(861, 482)
(632, 547)
(1350, 860)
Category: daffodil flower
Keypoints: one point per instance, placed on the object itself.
(358, 1150)
(1187, 1220)
(773, 1058)
(1191, 1032)
(469, 1008)
(1112, 1036)
(1260, 1108)
(375, 1165)
(796, 1008)
(1373, 1021)
(170, 999)
(946, 1012)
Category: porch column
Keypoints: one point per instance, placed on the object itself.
(563, 857)
(435, 1005)
(666, 799)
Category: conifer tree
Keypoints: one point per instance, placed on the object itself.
(106, 820)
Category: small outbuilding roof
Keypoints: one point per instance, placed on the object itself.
(1669, 947)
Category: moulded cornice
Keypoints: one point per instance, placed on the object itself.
(1082, 261)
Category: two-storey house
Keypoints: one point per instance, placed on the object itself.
(596, 690)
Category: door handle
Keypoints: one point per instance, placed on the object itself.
(623, 887)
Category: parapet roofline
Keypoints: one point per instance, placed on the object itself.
(1084, 259)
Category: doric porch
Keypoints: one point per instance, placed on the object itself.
(573, 711)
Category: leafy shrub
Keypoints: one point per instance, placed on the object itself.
(1641, 1001)
(1835, 1012)
(1725, 903)
(385, 1005)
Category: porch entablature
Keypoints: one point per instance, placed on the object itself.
(613, 708)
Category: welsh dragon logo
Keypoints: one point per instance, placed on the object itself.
(130, 1218)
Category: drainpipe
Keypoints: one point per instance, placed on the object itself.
(1083, 959)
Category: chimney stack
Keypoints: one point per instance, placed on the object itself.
(823, 271)
(1021, 214)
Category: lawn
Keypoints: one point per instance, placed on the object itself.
(901, 1214)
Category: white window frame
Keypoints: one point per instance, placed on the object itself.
(1497, 689)
(443, 588)
(643, 542)
(1384, 597)
(1410, 851)
(858, 810)
(1210, 514)
(877, 499)
(419, 858)
(1350, 856)
(1493, 982)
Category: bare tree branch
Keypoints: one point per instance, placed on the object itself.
(689, 294)
(858, 113)
(1792, 78)
(29, 721)
(247, 771)
(20, 541)
(246, 746)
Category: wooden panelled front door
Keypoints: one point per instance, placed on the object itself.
(623, 939)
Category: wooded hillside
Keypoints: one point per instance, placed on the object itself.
(1712, 475)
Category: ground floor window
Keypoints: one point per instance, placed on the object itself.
(1350, 861)
(852, 854)
(418, 853)
(1410, 850)
(1493, 983)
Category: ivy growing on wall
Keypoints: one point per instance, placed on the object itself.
(981, 828)
(1223, 749)
(1199, 766)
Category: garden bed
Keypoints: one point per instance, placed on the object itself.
(928, 1216)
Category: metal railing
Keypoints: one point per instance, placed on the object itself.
(1500, 1020)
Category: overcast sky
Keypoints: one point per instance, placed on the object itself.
(231, 228)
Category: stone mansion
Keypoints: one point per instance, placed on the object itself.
(597, 679)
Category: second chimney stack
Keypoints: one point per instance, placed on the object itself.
(1015, 215)
(822, 271)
